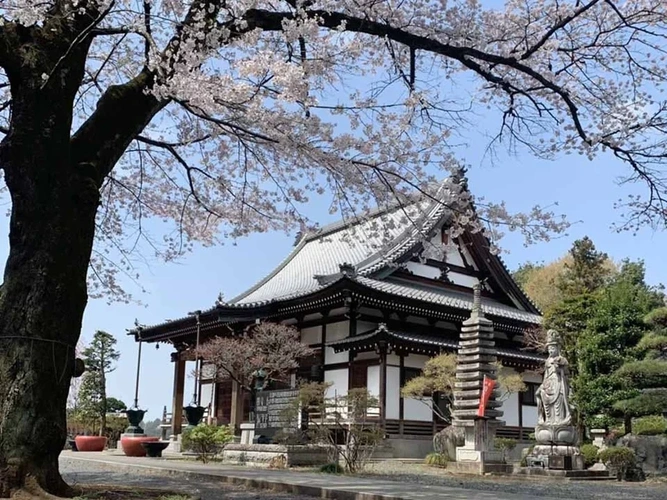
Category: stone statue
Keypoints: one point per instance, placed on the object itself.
(556, 436)
(553, 396)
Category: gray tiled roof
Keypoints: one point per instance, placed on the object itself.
(368, 244)
(418, 338)
(447, 297)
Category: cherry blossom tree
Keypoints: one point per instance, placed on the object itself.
(273, 348)
(220, 118)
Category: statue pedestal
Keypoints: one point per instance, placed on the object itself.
(558, 457)
(478, 455)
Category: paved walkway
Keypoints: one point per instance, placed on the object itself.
(328, 486)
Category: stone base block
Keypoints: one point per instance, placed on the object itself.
(564, 474)
(479, 468)
(263, 455)
(468, 455)
(555, 457)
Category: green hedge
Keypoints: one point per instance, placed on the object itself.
(620, 459)
(590, 454)
(649, 426)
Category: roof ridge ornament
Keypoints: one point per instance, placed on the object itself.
(348, 270)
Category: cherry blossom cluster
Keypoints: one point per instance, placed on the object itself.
(272, 105)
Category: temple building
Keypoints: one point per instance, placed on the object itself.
(375, 298)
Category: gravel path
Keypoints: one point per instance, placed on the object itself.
(570, 490)
(79, 472)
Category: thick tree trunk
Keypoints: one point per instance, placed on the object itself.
(43, 295)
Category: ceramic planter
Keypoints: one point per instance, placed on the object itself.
(90, 443)
(132, 445)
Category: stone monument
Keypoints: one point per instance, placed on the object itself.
(556, 436)
(476, 361)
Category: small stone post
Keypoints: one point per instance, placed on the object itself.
(476, 358)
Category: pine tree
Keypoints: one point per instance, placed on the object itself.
(100, 357)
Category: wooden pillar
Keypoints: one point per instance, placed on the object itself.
(401, 401)
(179, 387)
(520, 400)
(383, 384)
(236, 417)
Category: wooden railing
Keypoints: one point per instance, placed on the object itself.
(518, 433)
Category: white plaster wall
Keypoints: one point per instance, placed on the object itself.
(414, 409)
(453, 256)
(311, 335)
(416, 360)
(337, 331)
(365, 326)
(339, 381)
(423, 270)
(468, 257)
(529, 416)
(373, 381)
(510, 409)
(532, 377)
(393, 390)
(462, 279)
(393, 359)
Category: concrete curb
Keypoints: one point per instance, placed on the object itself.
(267, 484)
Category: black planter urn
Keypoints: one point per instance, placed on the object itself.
(134, 416)
(194, 414)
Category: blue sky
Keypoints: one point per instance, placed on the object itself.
(585, 191)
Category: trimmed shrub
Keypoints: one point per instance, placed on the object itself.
(437, 459)
(206, 440)
(590, 454)
(505, 445)
(332, 468)
(620, 459)
(649, 426)
(601, 422)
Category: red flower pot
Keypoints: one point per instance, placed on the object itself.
(132, 445)
(90, 443)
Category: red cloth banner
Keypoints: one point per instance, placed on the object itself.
(487, 390)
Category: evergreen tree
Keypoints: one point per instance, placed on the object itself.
(586, 271)
(613, 331)
(100, 357)
(646, 377)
